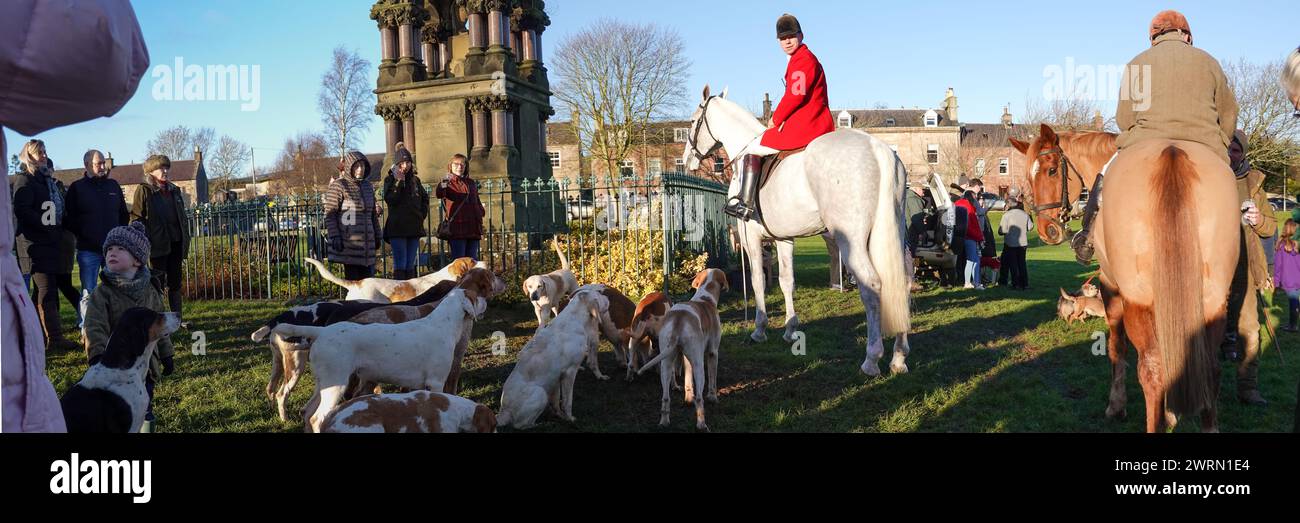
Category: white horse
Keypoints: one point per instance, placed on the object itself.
(846, 182)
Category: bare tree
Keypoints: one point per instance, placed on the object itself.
(1264, 114)
(304, 164)
(178, 143)
(202, 139)
(615, 78)
(228, 159)
(173, 142)
(1069, 114)
(345, 100)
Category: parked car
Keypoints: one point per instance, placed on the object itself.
(579, 209)
(1280, 203)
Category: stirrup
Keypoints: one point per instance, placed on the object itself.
(738, 209)
(1082, 245)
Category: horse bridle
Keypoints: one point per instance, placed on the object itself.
(1064, 166)
(703, 123)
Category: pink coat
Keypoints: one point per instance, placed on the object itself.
(61, 63)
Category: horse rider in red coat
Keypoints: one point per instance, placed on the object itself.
(802, 115)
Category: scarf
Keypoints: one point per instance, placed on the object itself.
(56, 195)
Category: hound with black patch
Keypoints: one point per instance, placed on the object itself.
(546, 291)
(111, 396)
(692, 332)
(289, 356)
(384, 290)
(417, 354)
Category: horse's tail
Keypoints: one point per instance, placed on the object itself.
(1188, 365)
(886, 249)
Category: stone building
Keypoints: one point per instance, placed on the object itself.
(658, 151)
(467, 77)
(926, 140)
(189, 175)
(986, 153)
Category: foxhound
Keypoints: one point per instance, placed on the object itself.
(111, 396)
(548, 364)
(546, 291)
(418, 411)
(384, 290)
(692, 331)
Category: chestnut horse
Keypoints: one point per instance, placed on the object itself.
(1164, 278)
(1061, 165)
(1166, 265)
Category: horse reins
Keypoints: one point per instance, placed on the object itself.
(1065, 166)
(703, 123)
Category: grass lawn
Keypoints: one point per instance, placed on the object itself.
(991, 361)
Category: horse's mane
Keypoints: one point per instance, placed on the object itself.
(1092, 144)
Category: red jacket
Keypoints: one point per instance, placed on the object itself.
(973, 231)
(804, 112)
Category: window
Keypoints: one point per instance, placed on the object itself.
(845, 119)
(979, 167)
(1004, 167)
(681, 166)
(627, 168)
(931, 118)
(681, 134)
(655, 166)
(718, 164)
(889, 122)
(555, 158)
(932, 153)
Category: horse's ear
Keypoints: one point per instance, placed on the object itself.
(1047, 133)
(706, 92)
(1023, 147)
(724, 91)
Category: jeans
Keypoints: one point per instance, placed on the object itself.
(973, 263)
(89, 262)
(405, 251)
(463, 248)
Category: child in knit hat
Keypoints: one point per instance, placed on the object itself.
(126, 283)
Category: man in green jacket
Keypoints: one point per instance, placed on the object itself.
(1171, 91)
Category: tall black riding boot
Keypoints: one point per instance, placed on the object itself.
(1082, 241)
(742, 205)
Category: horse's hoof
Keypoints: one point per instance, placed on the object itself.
(870, 369)
(1117, 414)
(758, 337)
(788, 337)
(898, 368)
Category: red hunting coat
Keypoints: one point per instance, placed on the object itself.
(804, 112)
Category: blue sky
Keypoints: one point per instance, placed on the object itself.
(897, 53)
